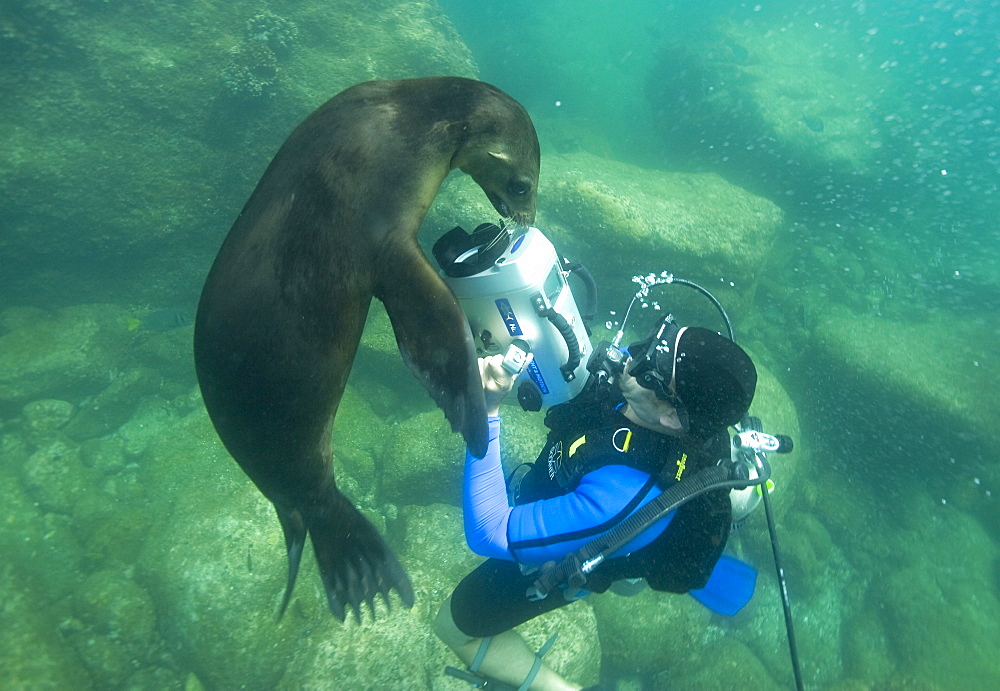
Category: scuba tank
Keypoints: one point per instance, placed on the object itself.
(514, 292)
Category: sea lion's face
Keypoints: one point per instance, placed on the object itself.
(500, 151)
(511, 191)
(510, 180)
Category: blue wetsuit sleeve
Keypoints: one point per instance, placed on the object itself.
(485, 506)
(551, 528)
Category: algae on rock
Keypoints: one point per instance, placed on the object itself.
(622, 220)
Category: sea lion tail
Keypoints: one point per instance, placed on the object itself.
(354, 561)
(295, 540)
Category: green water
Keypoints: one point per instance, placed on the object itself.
(828, 169)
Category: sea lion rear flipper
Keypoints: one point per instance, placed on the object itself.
(295, 540)
(354, 561)
(434, 338)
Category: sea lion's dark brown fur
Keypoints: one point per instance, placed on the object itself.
(333, 222)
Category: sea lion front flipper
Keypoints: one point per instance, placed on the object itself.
(434, 338)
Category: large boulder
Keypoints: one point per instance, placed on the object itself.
(940, 368)
(955, 589)
(628, 626)
(933, 383)
(214, 560)
(621, 220)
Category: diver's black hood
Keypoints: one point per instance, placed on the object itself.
(714, 378)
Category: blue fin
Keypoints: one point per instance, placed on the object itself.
(729, 588)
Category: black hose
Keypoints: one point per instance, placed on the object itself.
(716, 477)
(572, 345)
(575, 565)
(718, 305)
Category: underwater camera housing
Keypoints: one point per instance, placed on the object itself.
(514, 291)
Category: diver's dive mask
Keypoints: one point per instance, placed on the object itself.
(707, 377)
(653, 361)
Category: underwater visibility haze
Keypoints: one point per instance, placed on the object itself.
(829, 170)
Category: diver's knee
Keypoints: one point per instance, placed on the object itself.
(444, 627)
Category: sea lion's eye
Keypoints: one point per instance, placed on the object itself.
(519, 188)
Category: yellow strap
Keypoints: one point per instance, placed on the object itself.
(681, 465)
(576, 445)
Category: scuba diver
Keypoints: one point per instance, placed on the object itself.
(659, 418)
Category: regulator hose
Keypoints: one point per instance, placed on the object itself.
(575, 565)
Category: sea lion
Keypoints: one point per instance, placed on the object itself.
(333, 222)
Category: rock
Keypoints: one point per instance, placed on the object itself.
(168, 353)
(32, 652)
(153, 421)
(947, 577)
(627, 624)
(277, 32)
(56, 478)
(214, 560)
(360, 437)
(106, 455)
(867, 649)
(696, 226)
(424, 462)
(900, 365)
(397, 651)
(523, 434)
(74, 188)
(115, 528)
(730, 660)
(423, 41)
(42, 548)
(48, 415)
(67, 354)
(220, 566)
(252, 71)
(576, 654)
(103, 656)
(114, 405)
(155, 677)
(435, 553)
(113, 604)
(383, 382)
(933, 383)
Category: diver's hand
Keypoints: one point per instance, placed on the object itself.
(497, 382)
